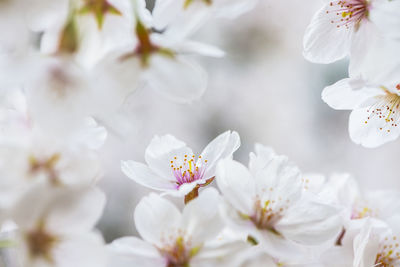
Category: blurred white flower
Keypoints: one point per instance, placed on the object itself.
(343, 190)
(172, 238)
(346, 27)
(160, 59)
(183, 17)
(34, 155)
(173, 168)
(268, 202)
(55, 228)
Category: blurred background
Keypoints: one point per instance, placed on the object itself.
(264, 90)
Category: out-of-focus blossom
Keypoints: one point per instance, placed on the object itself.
(55, 227)
(162, 60)
(183, 17)
(31, 155)
(347, 27)
(268, 201)
(173, 168)
(343, 190)
(172, 238)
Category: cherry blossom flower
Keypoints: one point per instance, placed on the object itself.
(172, 238)
(370, 242)
(268, 201)
(55, 227)
(173, 168)
(34, 155)
(346, 27)
(374, 99)
(161, 60)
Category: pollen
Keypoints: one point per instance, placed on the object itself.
(188, 169)
(347, 13)
(386, 109)
(389, 253)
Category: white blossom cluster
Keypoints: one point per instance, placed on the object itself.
(368, 32)
(68, 66)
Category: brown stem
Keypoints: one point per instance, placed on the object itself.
(192, 194)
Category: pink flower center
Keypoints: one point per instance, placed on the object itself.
(188, 170)
(348, 13)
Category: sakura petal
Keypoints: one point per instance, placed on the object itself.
(132, 251)
(349, 93)
(323, 41)
(373, 133)
(236, 184)
(87, 247)
(162, 150)
(221, 147)
(155, 217)
(176, 78)
(203, 210)
(143, 175)
(310, 222)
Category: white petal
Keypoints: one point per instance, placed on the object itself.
(143, 175)
(162, 150)
(178, 22)
(370, 134)
(223, 146)
(64, 210)
(385, 202)
(233, 8)
(176, 78)
(201, 218)
(83, 250)
(366, 247)
(193, 47)
(236, 184)
(76, 211)
(183, 190)
(310, 222)
(385, 14)
(323, 41)
(279, 179)
(155, 218)
(260, 158)
(132, 251)
(365, 39)
(349, 93)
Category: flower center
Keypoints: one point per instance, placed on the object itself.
(389, 254)
(179, 253)
(40, 243)
(145, 48)
(268, 213)
(360, 212)
(387, 109)
(99, 8)
(186, 170)
(348, 13)
(47, 166)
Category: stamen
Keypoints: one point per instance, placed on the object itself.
(189, 170)
(387, 108)
(348, 13)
